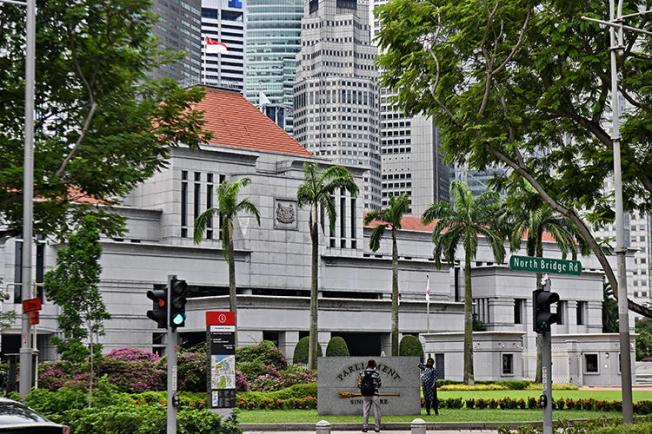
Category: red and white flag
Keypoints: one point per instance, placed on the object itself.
(428, 288)
(214, 46)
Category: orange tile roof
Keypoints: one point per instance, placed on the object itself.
(235, 122)
(413, 223)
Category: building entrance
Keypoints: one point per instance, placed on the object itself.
(362, 344)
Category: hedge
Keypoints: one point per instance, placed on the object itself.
(410, 346)
(337, 347)
(603, 425)
(301, 351)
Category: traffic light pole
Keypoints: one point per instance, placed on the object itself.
(546, 371)
(172, 365)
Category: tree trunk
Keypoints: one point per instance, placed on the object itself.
(313, 337)
(538, 378)
(468, 321)
(395, 304)
(233, 300)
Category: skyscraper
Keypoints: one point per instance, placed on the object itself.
(273, 39)
(223, 22)
(178, 29)
(336, 98)
(412, 162)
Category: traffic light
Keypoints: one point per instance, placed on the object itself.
(159, 312)
(178, 294)
(543, 317)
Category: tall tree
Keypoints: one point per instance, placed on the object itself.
(317, 190)
(101, 125)
(73, 286)
(228, 207)
(526, 84)
(461, 222)
(527, 215)
(390, 218)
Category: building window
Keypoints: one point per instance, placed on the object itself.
(519, 305)
(353, 216)
(197, 197)
(562, 311)
(222, 180)
(40, 266)
(508, 364)
(184, 203)
(209, 204)
(343, 221)
(591, 364)
(581, 309)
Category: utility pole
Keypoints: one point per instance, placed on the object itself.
(616, 26)
(28, 191)
(172, 363)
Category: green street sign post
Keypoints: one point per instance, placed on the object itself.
(544, 265)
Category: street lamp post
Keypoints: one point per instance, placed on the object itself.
(28, 192)
(616, 27)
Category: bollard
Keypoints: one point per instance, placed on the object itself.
(324, 427)
(418, 426)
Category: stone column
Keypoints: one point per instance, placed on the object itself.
(323, 338)
(287, 341)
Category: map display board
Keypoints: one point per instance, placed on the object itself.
(220, 336)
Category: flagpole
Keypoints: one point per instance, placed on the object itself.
(427, 303)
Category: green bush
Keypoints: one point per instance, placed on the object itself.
(337, 347)
(301, 351)
(265, 353)
(410, 346)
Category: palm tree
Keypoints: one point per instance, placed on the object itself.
(317, 190)
(462, 221)
(390, 218)
(526, 214)
(228, 207)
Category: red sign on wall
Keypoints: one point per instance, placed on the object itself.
(31, 305)
(220, 318)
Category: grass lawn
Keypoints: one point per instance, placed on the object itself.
(606, 395)
(446, 415)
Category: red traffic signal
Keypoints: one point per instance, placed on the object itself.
(159, 312)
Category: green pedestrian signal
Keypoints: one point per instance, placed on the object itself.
(178, 294)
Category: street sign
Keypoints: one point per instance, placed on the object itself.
(31, 305)
(34, 318)
(545, 265)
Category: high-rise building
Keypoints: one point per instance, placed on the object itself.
(178, 29)
(477, 180)
(273, 39)
(411, 159)
(223, 21)
(336, 97)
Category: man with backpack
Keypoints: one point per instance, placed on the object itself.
(369, 382)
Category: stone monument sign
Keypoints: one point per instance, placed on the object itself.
(338, 392)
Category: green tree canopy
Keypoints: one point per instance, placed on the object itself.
(101, 125)
(526, 84)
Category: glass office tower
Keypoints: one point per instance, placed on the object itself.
(273, 39)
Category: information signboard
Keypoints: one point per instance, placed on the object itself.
(220, 336)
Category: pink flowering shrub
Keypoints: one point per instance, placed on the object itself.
(52, 375)
(133, 355)
(241, 383)
(133, 376)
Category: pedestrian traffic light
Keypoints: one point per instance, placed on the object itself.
(178, 294)
(159, 312)
(543, 317)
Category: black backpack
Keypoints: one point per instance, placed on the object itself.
(367, 387)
